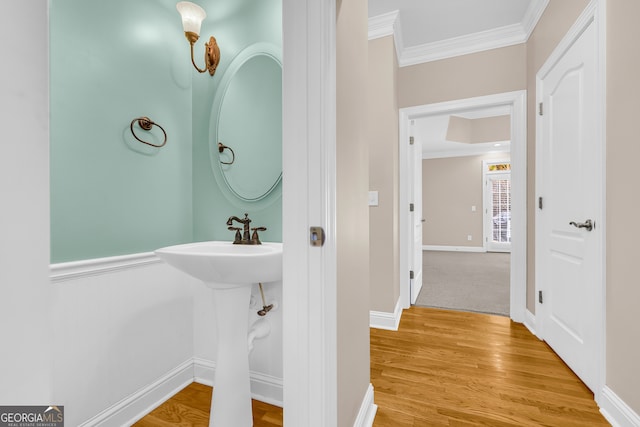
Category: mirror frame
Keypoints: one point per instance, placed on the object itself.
(257, 49)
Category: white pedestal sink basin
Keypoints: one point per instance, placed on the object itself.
(223, 264)
(229, 270)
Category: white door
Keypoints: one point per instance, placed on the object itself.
(498, 211)
(569, 175)
(415, 219)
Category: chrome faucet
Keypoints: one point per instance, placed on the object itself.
(244, 238)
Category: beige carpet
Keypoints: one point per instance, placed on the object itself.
(468, 281)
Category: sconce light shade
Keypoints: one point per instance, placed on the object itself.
(192, 16)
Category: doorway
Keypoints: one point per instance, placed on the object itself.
(466, 259)
(516, 102)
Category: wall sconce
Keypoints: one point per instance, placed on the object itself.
(192, 17)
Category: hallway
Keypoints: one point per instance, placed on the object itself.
(465, 369)
(447, 368)
(466, 281)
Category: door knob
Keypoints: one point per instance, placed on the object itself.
(588, 224)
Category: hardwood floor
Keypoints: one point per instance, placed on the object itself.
(442, 368)
(190, 408)
(447, 368)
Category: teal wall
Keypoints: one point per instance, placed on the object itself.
(112, 61)
(236, 25)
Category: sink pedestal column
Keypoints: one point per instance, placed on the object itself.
(231, 401)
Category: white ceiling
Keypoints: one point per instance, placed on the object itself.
(429, 30)
(427, 21)
(430, 132)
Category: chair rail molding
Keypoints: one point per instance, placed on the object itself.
(65, 271)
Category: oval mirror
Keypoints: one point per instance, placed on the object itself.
(246, 145)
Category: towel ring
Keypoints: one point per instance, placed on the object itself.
(146, 123)
(221, 148)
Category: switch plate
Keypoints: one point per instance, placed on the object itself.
(473, 208)
(469, 237)
(373, 198)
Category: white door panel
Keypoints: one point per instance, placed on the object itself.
(569, 263)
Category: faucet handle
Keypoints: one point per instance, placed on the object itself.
(238, 236)
(254, 237)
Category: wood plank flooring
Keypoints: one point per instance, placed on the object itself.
(442, 368)
(447, 368)
(190, 408)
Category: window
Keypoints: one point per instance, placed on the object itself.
(497, 217)
(501, 211)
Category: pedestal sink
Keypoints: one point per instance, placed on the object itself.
(229, 270)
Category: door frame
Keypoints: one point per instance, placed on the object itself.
(594, 14)
(516, 100)
(414, 153)
(309, 281)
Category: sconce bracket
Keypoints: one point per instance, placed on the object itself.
(212, 55)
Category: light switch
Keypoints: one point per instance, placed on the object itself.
(373, 198)
(473, 208)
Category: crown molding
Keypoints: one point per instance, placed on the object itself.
(533, 15)
(389, 24)
(463, 45)
(383, 25)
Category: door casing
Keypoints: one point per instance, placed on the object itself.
(517, 102)
(415, 220)
(309, 284)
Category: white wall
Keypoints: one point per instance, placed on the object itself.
(117, 333)
(26, 335)
(120, 332)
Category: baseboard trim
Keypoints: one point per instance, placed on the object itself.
(265, 388)
(134, 407)
(530, 322)
(368, 410)
(453, 248)
(616, 411)
(385, 320)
